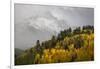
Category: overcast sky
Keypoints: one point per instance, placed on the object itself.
(33, 22)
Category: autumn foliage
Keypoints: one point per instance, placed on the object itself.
(69, 46)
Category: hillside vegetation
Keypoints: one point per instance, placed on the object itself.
(69, 46)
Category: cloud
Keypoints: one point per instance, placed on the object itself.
(53, 18)
(34, 21)
(43, 23)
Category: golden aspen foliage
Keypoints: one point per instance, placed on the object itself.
(68, 46)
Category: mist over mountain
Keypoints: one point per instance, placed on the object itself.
(40, 22)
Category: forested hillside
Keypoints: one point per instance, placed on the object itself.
(68, 46)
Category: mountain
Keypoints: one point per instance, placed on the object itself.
(18, 52)
(68, 46)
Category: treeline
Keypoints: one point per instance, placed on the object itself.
(70, 45)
